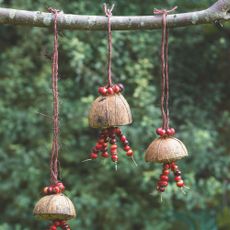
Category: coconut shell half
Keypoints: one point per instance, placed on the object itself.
(166, 150)
(54, 207)
(109, 111)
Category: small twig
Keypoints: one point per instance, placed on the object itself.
(161, 197)
(44, 115)
(116, 165)
(135, 163)
(182, 189)
(86, 160)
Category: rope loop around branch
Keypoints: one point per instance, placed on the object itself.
(53, 10)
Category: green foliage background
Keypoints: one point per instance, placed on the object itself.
(105, 199)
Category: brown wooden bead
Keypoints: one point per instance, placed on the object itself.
(54, 207)
(45, 190)
(165, 149)
(109, 111)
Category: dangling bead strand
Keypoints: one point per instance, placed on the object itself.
(125, 143)
(104, 150)
(177, 175)
(98, 147)
(163, 181)
(108, 137)
(113, 145)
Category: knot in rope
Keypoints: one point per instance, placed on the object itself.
(108, 11)
(53, 10)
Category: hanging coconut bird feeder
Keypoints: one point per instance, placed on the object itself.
(110, 111)
(55, 206)
(166, 149)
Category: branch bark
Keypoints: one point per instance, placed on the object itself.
(218, 11)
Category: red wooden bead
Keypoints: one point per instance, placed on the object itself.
(129, 153)
(62, 187)
(105, 154)
(102, 91)
(166, 166)
(127, 148)
(50, 189)
(164, 177)
(57, 223)
(56, 189)
(116, 89)
(165, 172)
(98, 146)
(162, 183)
(174, 167)
(177, 178)
(113, 151)
(160, 131)
(113, 147)
(118, 131)
(180, 183)
(125, 142)
(170, 131)
(114, 157)
(112, 141)
(123, 138)
(101, 141)
(93, 156)
(110, 90)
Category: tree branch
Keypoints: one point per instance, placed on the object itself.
(218, 11)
